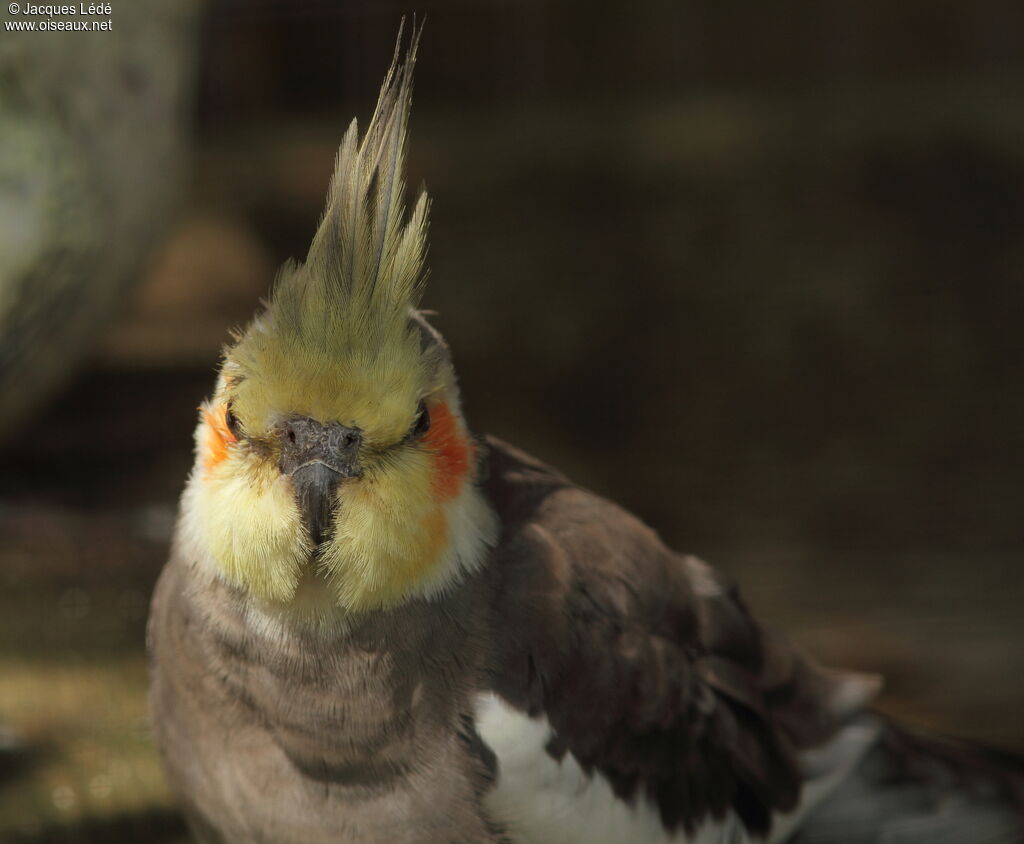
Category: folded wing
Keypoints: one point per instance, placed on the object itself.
(645, 662)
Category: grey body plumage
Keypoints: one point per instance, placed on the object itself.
(276, 734)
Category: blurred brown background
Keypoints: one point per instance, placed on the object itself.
(753, 270)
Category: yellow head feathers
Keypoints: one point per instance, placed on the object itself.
(340, 354)
(344, 314)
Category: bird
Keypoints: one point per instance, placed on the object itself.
(377, 625)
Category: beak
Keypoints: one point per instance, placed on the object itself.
(318, 457)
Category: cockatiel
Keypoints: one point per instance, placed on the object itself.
(376, 627)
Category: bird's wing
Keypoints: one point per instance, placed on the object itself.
(646, 663)
(912, 788)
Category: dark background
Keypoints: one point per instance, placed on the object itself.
(752, 270)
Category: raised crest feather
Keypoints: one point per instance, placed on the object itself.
(366, 261)
(345, 314)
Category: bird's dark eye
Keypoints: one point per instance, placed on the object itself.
(421, 424)
(234, 426)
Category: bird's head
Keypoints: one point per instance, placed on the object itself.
(334, 449)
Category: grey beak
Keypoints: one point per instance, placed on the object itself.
(317, 457)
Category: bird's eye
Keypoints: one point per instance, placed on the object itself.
(421, 424)
(234, 426)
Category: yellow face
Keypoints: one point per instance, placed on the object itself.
(333, 459)
(354, 484)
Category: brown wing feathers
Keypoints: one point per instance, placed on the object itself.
(646, 663)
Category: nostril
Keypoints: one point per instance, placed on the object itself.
(291, 434)
(349, 440)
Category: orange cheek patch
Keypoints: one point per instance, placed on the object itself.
(453, 453)
(217, 438)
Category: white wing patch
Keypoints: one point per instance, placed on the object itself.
(540, 800)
